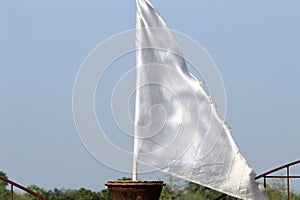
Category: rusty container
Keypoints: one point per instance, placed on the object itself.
(134, 190)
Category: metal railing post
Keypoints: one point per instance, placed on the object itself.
(288, 181)
(11, 192)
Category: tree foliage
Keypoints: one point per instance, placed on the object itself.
(4, 193)
(175, 189)
(277, 189)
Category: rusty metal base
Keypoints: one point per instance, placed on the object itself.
(134, 190)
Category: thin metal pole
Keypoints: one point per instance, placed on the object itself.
(288, 181)
(134, 164)
(134, 169)
(11, 191)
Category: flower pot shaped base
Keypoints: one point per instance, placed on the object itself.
(134, 190)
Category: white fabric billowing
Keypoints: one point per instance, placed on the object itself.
(177, 129)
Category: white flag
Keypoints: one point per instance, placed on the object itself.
(177, 129)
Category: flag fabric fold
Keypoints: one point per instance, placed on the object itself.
(177, 127)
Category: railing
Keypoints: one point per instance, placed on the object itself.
(287, 176)
(13, 184)
(267, 175)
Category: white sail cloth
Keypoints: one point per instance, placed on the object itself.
(177, 129)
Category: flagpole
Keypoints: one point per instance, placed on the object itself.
(134, 169)
(134, 164)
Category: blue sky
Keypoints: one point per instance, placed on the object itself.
(255, 45)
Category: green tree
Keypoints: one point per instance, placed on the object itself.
(84, 194)
(55, 194)
(173, 190)
(277, 190)
(125, 179)
(104, 195)
(177, 189)
(198, 192)
(4, 193)
(41, 191)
